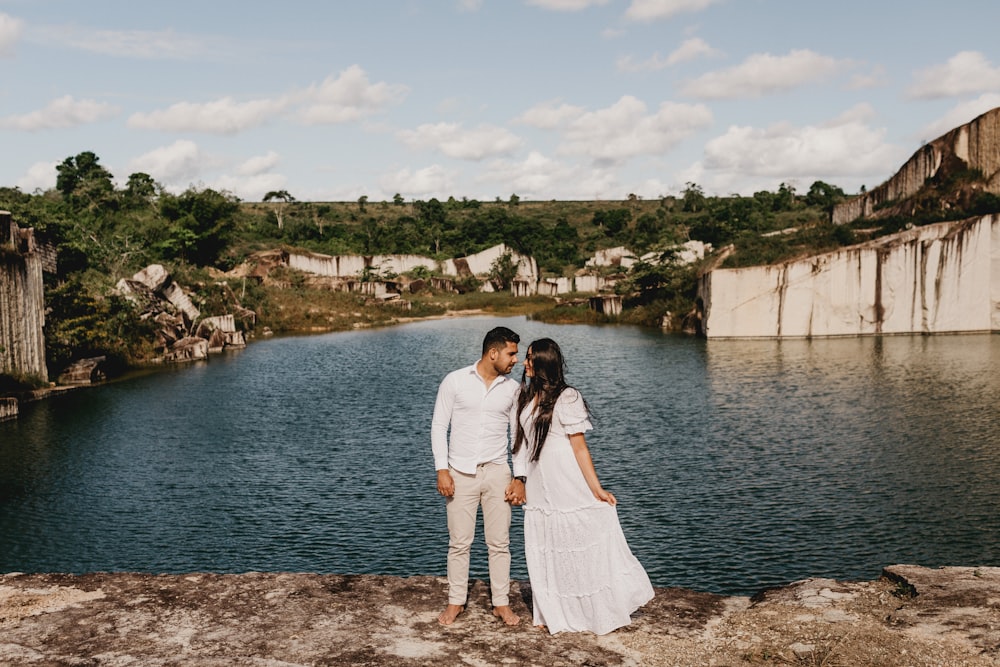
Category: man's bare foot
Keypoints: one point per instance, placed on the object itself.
(507, 614)
(450, 613)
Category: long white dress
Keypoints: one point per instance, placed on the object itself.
(583, 575)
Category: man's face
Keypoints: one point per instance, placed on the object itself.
(504, 359)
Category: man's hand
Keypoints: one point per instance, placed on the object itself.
(446, 485)
(515, 492)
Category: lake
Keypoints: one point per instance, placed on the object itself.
(737, 464)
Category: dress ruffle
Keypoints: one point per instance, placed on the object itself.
(583, 575)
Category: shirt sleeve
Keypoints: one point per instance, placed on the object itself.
(439, 423)
(571, 412)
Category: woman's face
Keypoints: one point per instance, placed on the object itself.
(528, 369)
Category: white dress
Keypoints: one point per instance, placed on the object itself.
(583, 574)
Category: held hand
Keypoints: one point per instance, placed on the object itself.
(445, 484)
(514, 494)
(606, 496)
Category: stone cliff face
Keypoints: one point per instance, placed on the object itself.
(975, 145)
(22, 301)
(941, 278)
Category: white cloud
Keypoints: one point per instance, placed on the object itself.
(10, 33)
(175, 166)
(762, 74)
(566, 5)
(250, 188)
(651, 10)
(259, 164)
(845, 147)
(688, 50)
(40, 176)
(859, 113)
(538, 176)
(959, 115)
(61, 113)
(348, 97)
(874, 78)
(223, 116)
(965, 73)
(625, 130)
(454, 141)
(141, 44)
(548, 115)
(184, 163)
(430, 181)
(469, 5)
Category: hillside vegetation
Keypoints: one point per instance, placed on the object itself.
(104, 233)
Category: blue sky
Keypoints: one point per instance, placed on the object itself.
(546, 99)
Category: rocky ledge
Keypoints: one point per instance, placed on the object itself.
(910, 616)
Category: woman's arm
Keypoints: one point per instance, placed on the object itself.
(582, 454)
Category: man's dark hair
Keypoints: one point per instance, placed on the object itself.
(499, 337)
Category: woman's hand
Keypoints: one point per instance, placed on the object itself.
(606, 496)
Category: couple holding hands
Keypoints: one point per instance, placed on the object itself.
(583, 575)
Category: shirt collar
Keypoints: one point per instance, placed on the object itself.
(473, 371)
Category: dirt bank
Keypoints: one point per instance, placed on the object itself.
(911, 616)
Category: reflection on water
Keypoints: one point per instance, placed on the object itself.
(738, 464)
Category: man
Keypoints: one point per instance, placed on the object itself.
(478, 403)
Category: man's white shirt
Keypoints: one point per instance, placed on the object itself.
(480, 420)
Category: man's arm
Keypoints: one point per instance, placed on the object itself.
(443, 406)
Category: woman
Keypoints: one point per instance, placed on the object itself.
(583, 575)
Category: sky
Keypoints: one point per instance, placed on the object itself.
(332, 100)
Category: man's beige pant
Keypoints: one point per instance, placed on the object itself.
(485, 488)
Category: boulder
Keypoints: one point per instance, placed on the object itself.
(84, 371)
(190, 348)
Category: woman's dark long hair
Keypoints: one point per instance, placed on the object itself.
(540, 393)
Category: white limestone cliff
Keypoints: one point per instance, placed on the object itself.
(973, 145)
(22, 302)
(940, 278)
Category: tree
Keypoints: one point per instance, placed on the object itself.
(784, 200)
(613, 222)
(141, 189)
(284, 198)
(84, 182)
(693, 198)
(362, 202)
(433, 220)
(397, 199)
(648, 229)
(824, 195)
(201, 223)
(503, 270)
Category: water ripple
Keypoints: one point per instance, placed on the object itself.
(738, 464)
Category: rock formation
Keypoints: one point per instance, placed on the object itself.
(911, 616)
(941, 278)
(975, 145)
(180, 335)
(22, 302)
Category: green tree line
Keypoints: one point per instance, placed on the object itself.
(104, 232)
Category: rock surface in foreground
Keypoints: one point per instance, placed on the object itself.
(911, 616)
